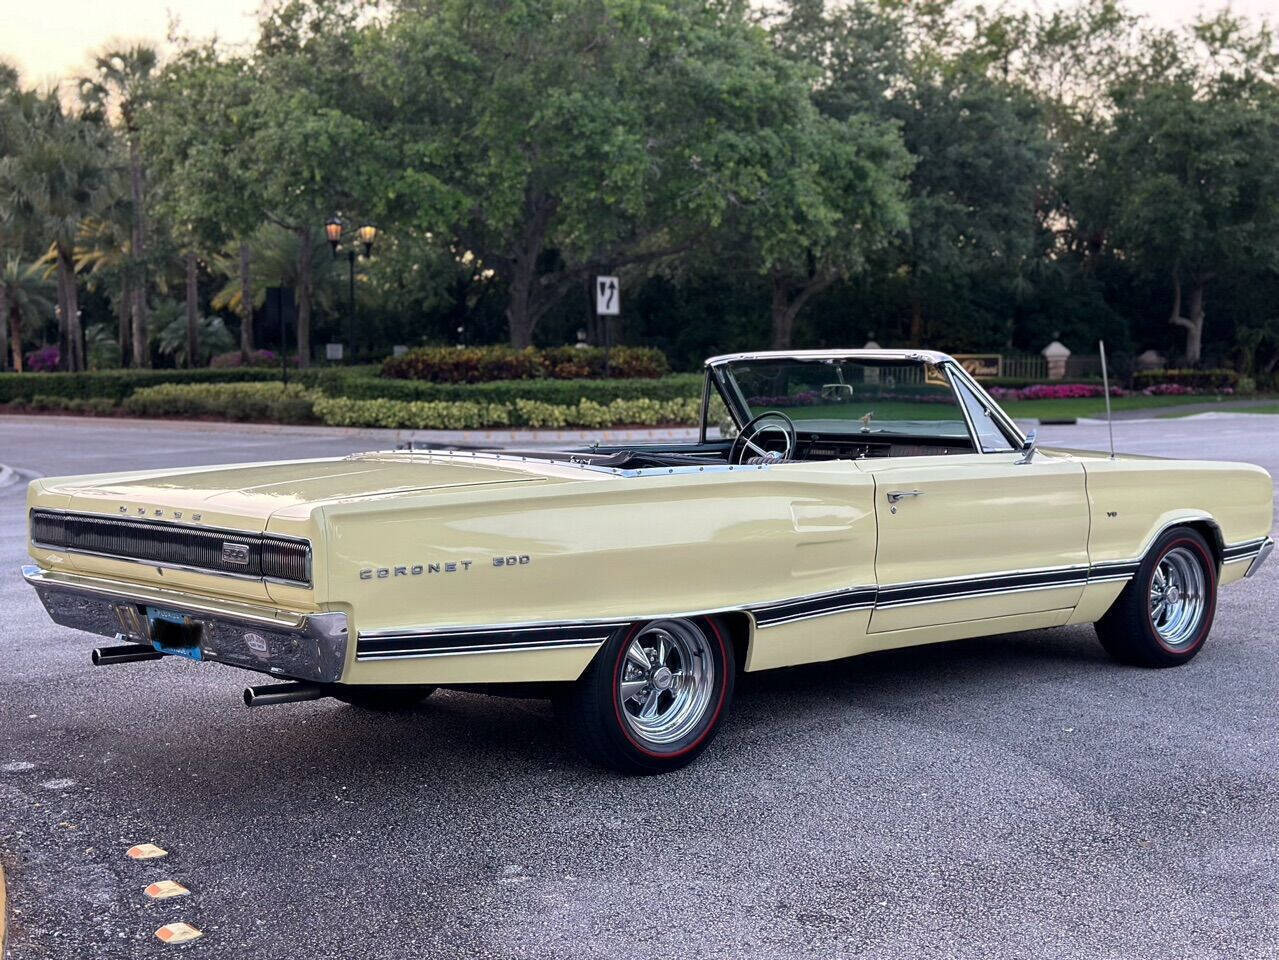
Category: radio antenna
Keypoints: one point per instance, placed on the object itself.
(1105, 386)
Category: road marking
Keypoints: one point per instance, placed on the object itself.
(61, 783)
(178, 932)
(146, 851)
(18, 766)
(165, 890)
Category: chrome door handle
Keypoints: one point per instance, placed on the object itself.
(895, 495)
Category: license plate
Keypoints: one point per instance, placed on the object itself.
(174, 633)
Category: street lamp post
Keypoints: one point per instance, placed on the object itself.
(366, 234)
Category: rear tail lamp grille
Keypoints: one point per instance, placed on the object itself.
(233, 552)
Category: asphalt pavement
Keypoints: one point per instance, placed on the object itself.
(1015, 796)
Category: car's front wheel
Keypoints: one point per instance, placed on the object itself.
(1163, 616)
(652, 698)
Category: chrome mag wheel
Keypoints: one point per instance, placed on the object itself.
(1178, 597)
(666, 680)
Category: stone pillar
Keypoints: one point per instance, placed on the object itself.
(1056, 353)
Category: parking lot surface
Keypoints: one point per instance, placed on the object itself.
(1013, 796)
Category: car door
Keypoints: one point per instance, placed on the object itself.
(977, 536)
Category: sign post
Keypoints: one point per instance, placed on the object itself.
(608, 303)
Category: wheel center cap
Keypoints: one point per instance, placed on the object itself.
(662, 678)
(1172, 595)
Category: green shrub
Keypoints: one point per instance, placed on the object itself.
(442, 415)
(1194, 379)
(115, 385)
(481, 364)
(272, 402)
(95, 406)
(562, 392)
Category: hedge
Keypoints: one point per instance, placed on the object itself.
(438, 415)
(272, 402)
(480, 364)
(1194, 379)
(677, 386)
(357, 382)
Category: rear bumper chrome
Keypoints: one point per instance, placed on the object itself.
(1262, 556)
(305, 647)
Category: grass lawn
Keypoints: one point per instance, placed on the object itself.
(1095, 406)
(1020, 409)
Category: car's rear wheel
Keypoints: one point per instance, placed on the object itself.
(654, 695)
(384, 698)
(1163, 616)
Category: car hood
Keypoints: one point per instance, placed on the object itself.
(246, 496)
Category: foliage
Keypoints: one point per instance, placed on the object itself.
(267, 402)
(258, 358)
(115, 385)
(443, 415)
(557, 392)
(478, 364)
(44, 360)
(1194, 379)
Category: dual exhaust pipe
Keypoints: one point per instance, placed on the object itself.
(291, 691)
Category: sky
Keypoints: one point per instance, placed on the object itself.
(51, 39)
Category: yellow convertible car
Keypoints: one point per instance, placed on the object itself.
(836, 503)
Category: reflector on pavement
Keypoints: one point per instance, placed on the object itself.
(177, 932)
(164, 889)
(146, 851)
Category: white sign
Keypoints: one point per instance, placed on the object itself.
(608, 296)
(333, 351)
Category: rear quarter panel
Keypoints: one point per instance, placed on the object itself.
(605, 547)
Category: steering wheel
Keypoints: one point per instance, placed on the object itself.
(751, 431)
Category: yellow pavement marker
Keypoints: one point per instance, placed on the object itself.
(146, 851)
(178, 932)
(165, 889)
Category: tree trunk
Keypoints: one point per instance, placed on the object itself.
(785, 309)
(15, 334)
(4, 326)
(518, 313)
(246, 303)
(124, 311)
(141, 310)
(139, 337)
(193, 315)
(64, 344)
(916, 320)
(305, 253)
(1193, 324)
(71, 312)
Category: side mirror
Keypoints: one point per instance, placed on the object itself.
(1028, 448)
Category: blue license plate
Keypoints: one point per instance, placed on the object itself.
(174, 633)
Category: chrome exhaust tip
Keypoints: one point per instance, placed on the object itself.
(125, 653)
(290, 692)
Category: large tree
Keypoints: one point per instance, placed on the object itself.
(1183, 182)
(120, 86)
(556, 138)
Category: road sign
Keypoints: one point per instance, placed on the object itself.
(608, 297)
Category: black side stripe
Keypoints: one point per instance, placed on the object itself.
(390, 646)
(480, 640)
(804, 608)
(1242, 551)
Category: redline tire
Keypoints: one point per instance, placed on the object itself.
(640, 720)
(1139, 630)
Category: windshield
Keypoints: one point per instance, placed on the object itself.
(847, 396)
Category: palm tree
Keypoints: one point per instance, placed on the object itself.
(276, 263)
(55, 177)
(123, 78)
(104, 254)
(23, 293)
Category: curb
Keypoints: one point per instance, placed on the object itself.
(459, 437)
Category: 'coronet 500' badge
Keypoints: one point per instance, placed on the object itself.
(448, 566)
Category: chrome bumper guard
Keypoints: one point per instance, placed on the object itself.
(307, 647)
(1261, 557)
